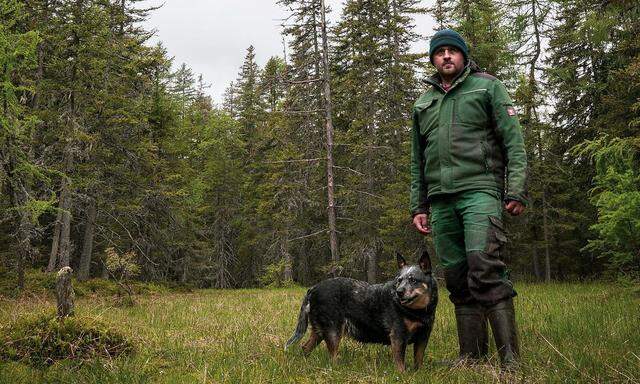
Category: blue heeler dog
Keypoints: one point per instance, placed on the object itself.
(398, 312)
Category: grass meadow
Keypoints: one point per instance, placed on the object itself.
(570, 333)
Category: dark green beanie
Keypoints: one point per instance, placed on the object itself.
(448, 37)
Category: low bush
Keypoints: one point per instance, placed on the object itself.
(101, 287)
(274, 276)
(39, 283)
(43, 339)
(36, 282)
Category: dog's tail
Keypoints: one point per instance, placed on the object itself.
(303, 321)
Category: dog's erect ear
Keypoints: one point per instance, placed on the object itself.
(401, 261)
(425, 262)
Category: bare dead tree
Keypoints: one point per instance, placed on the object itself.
(328, 107)
(64, 293)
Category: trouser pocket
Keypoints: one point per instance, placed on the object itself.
(488, 280)
(496, 238)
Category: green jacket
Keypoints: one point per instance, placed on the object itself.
(466, 139)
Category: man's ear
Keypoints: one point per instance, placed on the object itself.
(425, 262)
(401, 261)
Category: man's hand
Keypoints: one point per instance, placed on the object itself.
(514, 207)
(421, 222)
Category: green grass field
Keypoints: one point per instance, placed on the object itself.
(588, 333)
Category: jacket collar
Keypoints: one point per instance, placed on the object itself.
(435, 79)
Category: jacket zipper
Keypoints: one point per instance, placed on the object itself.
(453, 125)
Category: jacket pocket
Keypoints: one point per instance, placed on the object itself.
(428, 115)
(472, 107)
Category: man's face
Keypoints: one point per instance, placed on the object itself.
(448, 60)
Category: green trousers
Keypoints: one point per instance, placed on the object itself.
(469, 238)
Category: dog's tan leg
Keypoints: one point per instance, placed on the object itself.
(333, 342)
(398, 349)
(309, 345)
(418, 352)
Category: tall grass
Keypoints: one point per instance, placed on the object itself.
(569, 333)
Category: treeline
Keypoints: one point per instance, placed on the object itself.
(105, 150)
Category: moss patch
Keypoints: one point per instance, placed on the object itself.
(43, 340)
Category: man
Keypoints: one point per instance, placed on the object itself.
(468, 160)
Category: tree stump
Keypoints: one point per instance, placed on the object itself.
(64, 292)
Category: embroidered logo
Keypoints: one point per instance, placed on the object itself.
(511, 111)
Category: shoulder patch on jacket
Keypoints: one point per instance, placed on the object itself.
(484, 75)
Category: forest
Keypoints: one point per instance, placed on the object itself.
(116, 161)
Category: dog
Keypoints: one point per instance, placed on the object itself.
(398, 312)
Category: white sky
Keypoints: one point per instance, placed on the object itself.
(211, 36)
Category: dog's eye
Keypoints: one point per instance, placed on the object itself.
(412, 280)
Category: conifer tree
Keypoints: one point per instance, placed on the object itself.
(18, 170)
(250, 105)
(375, 88)
(301, 158)
(611, 31)
(482, 24)
(528, 25)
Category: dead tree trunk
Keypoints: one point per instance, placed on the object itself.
(547, 258)
(65, 229)
(186, 260)
(64, 293)
(87, 247)
(331, 208)
(25, 249)
(55, 244)
(19, 196)
(372, 264)
(287, 274)
(61, 245)
(23, 234)
(104, 273)
(535, 258)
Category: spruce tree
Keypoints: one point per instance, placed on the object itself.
(19, 173)
(375, 88)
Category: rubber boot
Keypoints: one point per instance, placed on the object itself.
(473, 335)
(503, 325)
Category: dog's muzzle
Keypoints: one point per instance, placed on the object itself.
(405, 299)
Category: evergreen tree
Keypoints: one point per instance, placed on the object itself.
(18, 170)
(375, 89)
(482, 24)
(250, 104)
(613, 29)
(298, 155)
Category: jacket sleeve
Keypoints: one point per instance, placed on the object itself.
(419, 200)
(509, 130)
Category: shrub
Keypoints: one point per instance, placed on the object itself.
(102, 287)
(36, 282)
(44, 339)
(123, 267)
(616, 195)
(273, 276)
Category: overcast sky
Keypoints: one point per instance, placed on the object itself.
(211, 36)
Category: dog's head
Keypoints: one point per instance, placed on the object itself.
(415, 285)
